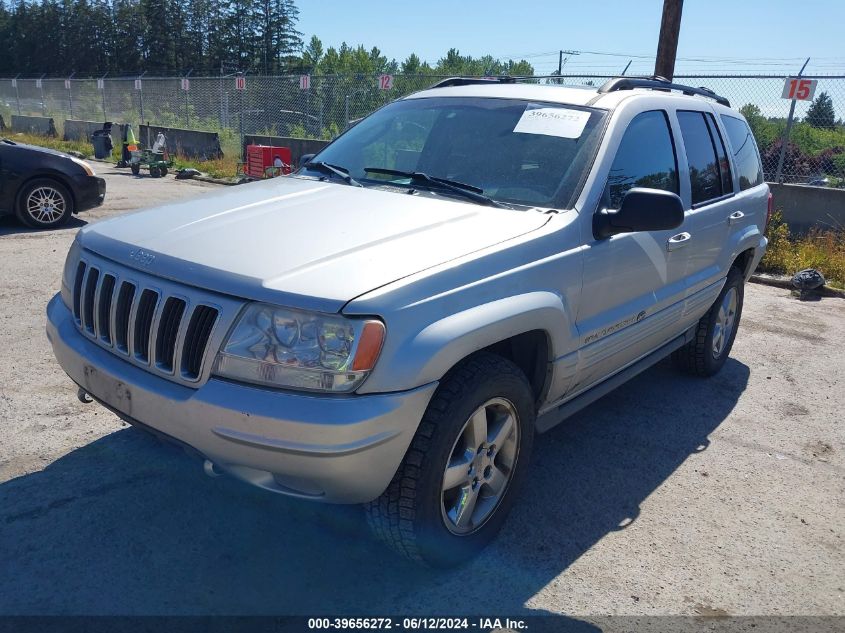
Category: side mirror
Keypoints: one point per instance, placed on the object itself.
(641, 210)
(305, 158)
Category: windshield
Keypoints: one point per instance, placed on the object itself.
(511, 151)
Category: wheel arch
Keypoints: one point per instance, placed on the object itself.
(57, 176)
(529, 330)
(744, 261)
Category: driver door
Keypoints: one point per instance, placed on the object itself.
(633, 284)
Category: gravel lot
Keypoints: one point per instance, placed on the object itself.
(672, 495)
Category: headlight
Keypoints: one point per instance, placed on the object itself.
(280, 347)
(69, 273)
(88, 169)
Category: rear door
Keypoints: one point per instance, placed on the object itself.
(752, 194)
(711, 197)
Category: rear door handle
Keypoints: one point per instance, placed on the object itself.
(736, 216)
(677, 241)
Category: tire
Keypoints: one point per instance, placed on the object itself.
(155, 172)
(44, 203)
(163, 172)
(415, 515)
(707, 352)
(136, 168)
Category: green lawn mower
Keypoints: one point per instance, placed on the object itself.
(157, 159)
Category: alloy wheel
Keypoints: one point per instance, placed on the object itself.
(45, 205)
(480, 466)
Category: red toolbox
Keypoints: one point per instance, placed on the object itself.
(265, 161)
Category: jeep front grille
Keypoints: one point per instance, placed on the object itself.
(151, 326)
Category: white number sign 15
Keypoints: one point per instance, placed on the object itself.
(799, 89)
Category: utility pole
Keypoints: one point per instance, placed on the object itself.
(561, 60)
(667, 45)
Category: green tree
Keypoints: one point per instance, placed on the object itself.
(312, 55)
(821, 113)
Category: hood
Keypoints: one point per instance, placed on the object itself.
(40, 150)
(300, 242)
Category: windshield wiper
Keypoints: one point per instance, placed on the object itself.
(468, 191)
(326, 168)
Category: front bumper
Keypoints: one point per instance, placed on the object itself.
(342, 449)
(90, 192)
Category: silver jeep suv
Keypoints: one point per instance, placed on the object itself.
(393, 324)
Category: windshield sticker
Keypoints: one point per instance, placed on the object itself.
(552, 122)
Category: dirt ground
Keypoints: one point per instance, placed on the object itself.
(672, 495)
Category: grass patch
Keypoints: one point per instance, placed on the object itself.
(83, 147)
(823, 250)
(225, 167)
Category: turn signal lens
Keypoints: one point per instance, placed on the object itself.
(369, 346)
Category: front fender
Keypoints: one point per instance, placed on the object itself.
(419, 357)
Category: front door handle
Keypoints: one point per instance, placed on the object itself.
(736, 216)
(677, 241)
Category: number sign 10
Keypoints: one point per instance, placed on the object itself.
(799, 89)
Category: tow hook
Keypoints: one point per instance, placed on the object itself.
(211, 469)
(83, 396)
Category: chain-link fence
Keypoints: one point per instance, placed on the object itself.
(323, 106)
(316, 107)
(815, 151)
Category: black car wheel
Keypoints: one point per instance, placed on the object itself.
(44, 204)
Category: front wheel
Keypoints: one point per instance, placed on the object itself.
(715, 332)
(44, 204)
(462, 472)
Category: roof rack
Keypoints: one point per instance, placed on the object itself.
(659, 83)
(469, 81)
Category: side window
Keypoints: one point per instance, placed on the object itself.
(705, 180)
(645, 158)
(744, 149)
(722, 154)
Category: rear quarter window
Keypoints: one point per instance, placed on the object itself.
(744, 150)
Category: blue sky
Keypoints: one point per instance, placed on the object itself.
(716, 35)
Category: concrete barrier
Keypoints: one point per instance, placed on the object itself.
(41, 125)
(82, 130)
(805, 207)
(188, 143)
(298, 146)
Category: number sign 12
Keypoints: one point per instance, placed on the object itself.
(799, 89)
